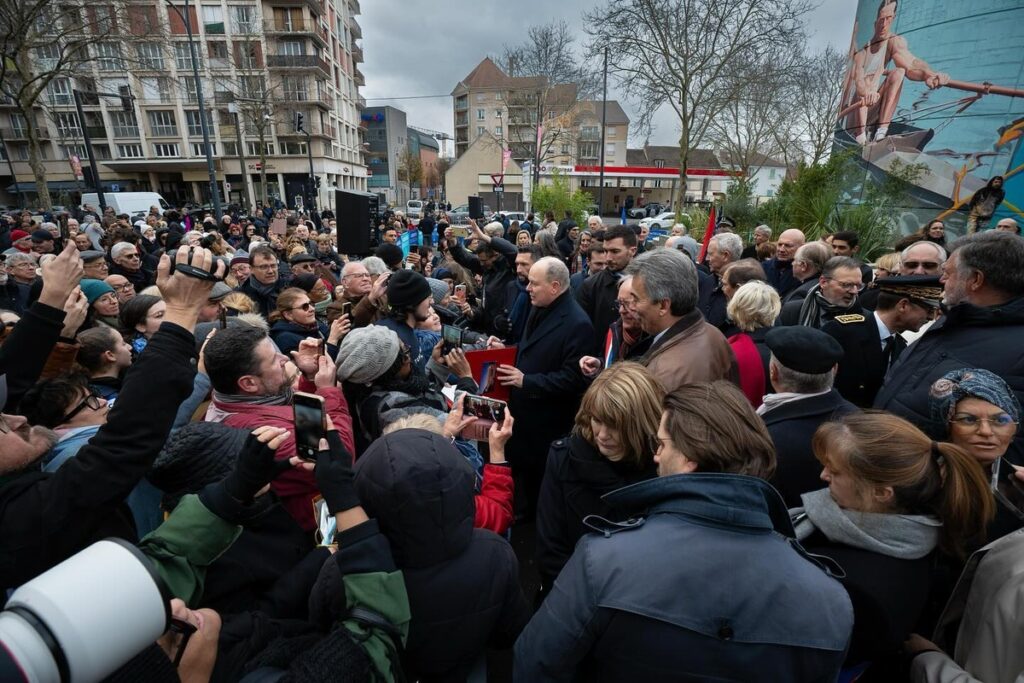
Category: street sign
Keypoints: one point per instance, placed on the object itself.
(498, 189)
(114, 187)
(497, 179)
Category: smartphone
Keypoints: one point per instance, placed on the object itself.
(460, 231)
(223, 316)
(310, 424)
(1008, 490)
(346, 308)
(460, 292)
(487, 412)
(452, 337)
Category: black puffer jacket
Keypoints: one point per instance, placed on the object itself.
(966, 337)
(576, 477)
(463, 583)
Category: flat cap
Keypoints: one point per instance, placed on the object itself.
(90, 255)
(804, 349)
(301, 258)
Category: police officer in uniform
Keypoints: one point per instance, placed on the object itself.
(872, 341)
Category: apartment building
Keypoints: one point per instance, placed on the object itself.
(386, 140)
(261, 64)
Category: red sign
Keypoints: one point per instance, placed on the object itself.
(497, 178)
(76, 167)
(655, 170)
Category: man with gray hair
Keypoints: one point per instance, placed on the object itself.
(808, 263)
(762, 234)
(983, 296)
(127, 261)
(723, 249)
(802, 369)
(920, 258)
(21, 274)
(686, 349)
(834, 297)
(545, 384)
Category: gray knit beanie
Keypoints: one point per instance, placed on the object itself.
(438, 289)
(367, 353)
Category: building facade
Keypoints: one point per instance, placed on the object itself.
(261, 64)
(387, 140)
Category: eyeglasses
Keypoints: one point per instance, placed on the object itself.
(306, 307)
(359, 275)
(848, 286)
(620, 304)
(126, 287)
(999, 423)
(132, 256)
(266, 267)
(182, 631)
(92, 402)
(914, 265)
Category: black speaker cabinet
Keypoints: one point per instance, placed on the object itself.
(356, 213)
(476, 209)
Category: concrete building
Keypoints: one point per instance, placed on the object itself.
(387, 140)
(429, 151)
(268, 60)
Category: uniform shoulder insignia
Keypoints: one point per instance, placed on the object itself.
(850, 318)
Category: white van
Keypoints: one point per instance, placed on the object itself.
(414, 209)
(131, 203)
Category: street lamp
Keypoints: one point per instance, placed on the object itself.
(214, 191)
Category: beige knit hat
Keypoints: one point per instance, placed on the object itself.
(366, 353)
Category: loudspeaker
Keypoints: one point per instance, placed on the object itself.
(476, 209)
(356, 213)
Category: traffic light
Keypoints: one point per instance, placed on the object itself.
(299, 122)
(318, 182)
(125, 92)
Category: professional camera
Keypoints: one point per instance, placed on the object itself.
(85, 618)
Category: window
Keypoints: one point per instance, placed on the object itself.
(609, 149)
(771, 174)
(248, 55)
(198, 151)
(129, 151)
(103, 19)
(124, 123)
(498, 96)
(213, 19)
(157, 89)
(294, 88)
(48, 56)
(480, 130)
(292, 47)
(551, 115)
(188, 88)
(659, 163)
(165, 150)
(67, 124)
(218, 53)
(195, 125)
(230, 148)
(60, 91)
(68, 151)
(18, 125)
(481, 97)
(590, 133)
(142, 21)
(101, 151)
(481, 114)
(162, 124)
(183, 57)
(108, 57)
(611, 131)
(254, 149)
(293, 148)
(243, 19)
(589, 150)
(150, 55)
(565, 149)
(497, 113)
(21, 152)
(497, 131)
(252, 86)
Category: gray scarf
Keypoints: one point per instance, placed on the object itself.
(261, 289)
(816, 305)
(905, 537)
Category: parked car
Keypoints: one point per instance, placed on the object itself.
(664, 221)
(651, 209)
(514, 215)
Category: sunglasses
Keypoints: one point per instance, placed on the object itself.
(306, 307)
(914, 265)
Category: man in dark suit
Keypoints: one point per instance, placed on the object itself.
(802, 368)
(872, 341)
(546, 384)
(596, 295)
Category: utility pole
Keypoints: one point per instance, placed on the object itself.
(88, 150)
(604, 110)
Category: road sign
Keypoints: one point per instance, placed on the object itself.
(497, 179)
(114, 187)
(498, 189)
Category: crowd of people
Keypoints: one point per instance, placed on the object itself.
(770, 460)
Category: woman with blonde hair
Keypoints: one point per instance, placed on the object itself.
(894, 499)
(887, 265)
(610, 447)
(753, 309)
(295, 320)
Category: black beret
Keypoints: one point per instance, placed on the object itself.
(804, 349)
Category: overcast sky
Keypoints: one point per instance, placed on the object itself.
(422, 48)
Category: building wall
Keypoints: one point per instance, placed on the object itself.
(262, 46)
(766, 180)
(471, 172)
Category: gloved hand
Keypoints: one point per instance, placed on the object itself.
(256, 466)
(334, 476)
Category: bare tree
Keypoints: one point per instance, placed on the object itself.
(680, 53)
(441, 166)
(410, 168)
(807, 119)
(541, 105)
(42, 41)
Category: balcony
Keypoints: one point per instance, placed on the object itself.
(297, 28)
(360, 102)
(461, 104)
(358, 77)
(227, 131)
(95, 132)
(356, 30)
(313, 5)
(315, 130)
(357, 54)
(299, 97)
(461, 119)
(22, 133)
(221, 97)
(354, 8)
(299, 62)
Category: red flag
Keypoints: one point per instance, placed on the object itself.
(708, 234)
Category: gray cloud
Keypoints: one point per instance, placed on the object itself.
(422, 48)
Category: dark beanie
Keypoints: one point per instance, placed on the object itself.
(305, 282)
(390, 254)
(407, 289)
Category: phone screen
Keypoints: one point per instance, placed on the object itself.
(309, 424)
(452, 339)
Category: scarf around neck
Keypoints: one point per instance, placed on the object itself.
(905, 537)
(816, 305)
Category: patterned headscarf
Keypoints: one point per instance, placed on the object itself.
(957, 385)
